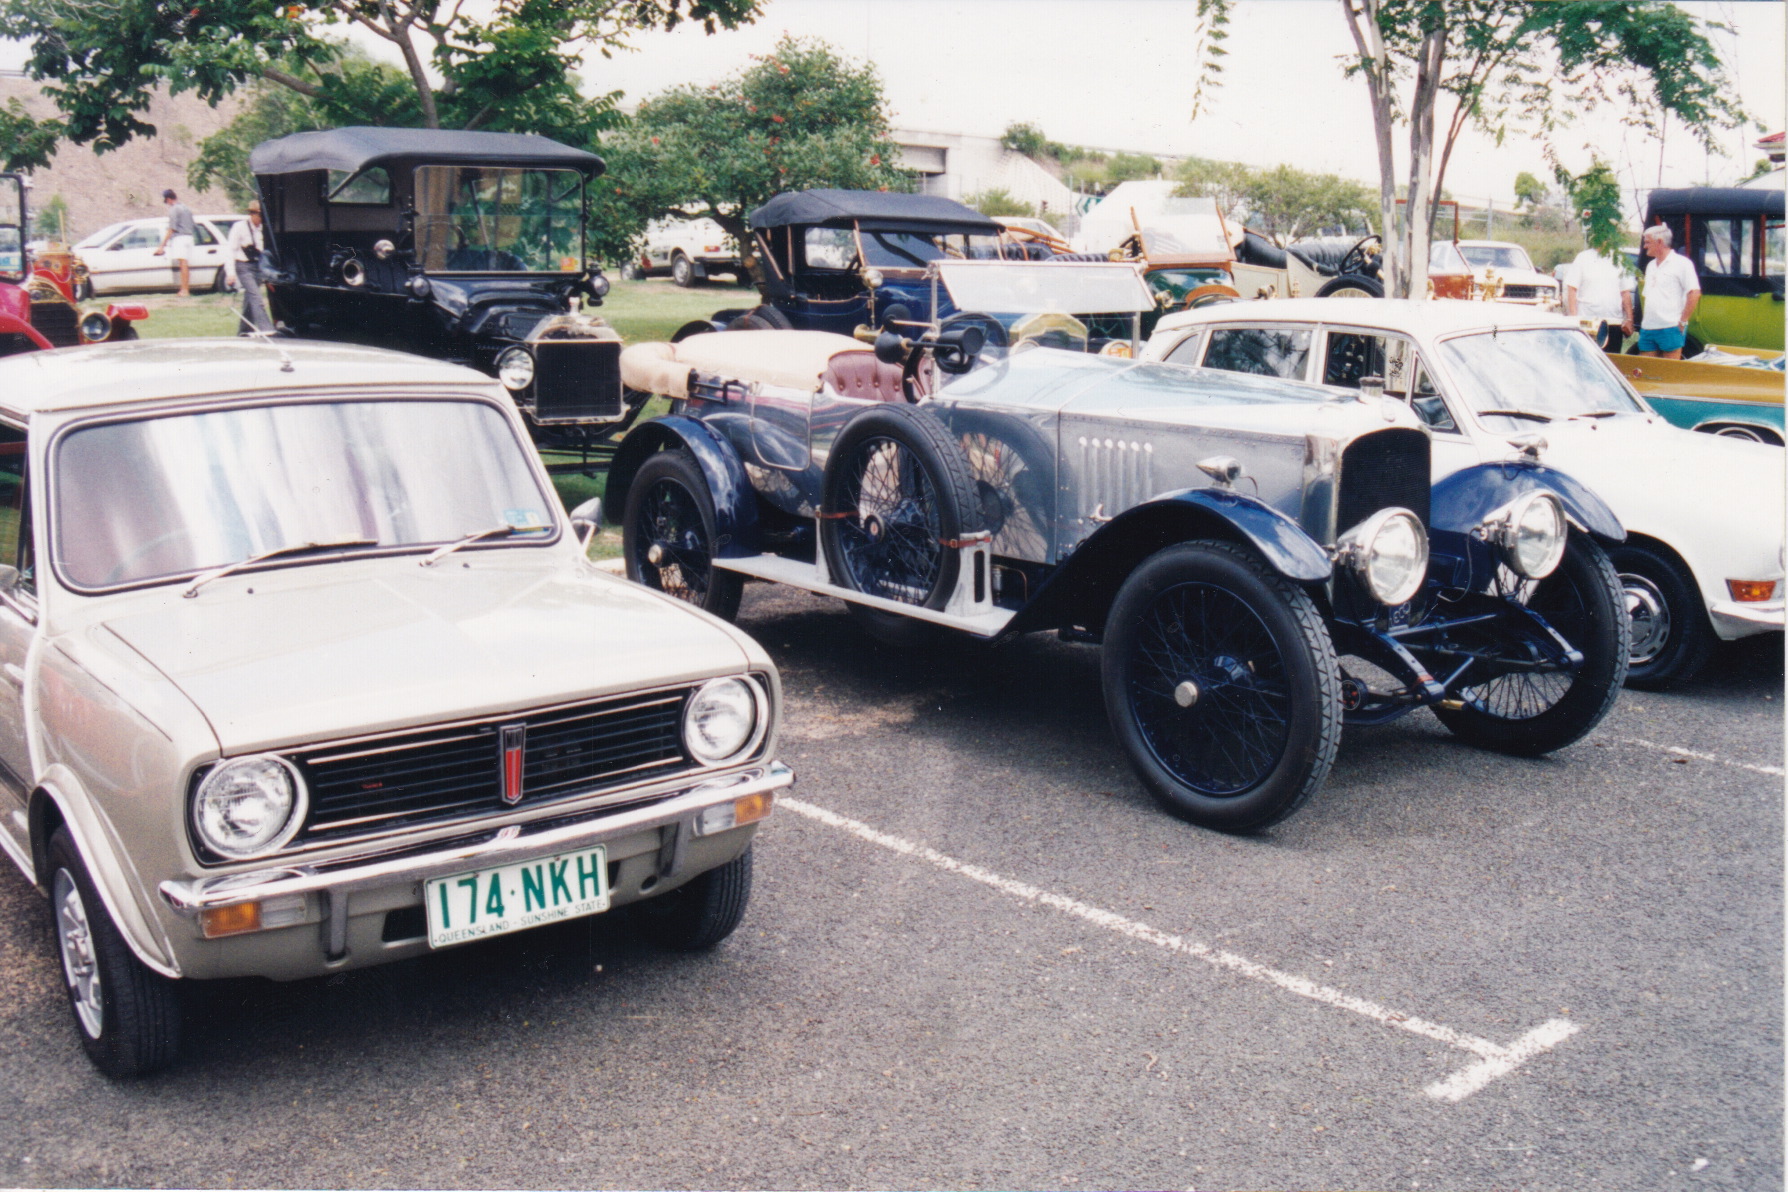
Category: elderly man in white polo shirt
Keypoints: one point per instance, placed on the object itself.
(1596, 287)
(1672, 291)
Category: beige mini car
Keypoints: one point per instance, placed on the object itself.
(305, 670)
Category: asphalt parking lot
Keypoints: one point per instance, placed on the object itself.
(978, 956)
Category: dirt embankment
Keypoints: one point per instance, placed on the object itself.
(101, 188)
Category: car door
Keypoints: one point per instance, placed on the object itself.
(129, 262)
(18, 628)
(207, 254)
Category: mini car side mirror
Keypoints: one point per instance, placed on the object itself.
(890, 348)
(586, 519)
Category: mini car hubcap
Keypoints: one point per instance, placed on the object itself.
(78, 964)
(1650, 615)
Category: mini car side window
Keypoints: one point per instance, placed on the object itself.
(368, 188)
(1263, 351)
(15, 508)
(830, 248)
(1186, 352)
(201, 235)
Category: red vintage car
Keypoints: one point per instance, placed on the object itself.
(37, 296)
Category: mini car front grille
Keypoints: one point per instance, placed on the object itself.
(1526, 293)
(57, 322)
(577, 380)
(373, 786)
(1381, 469)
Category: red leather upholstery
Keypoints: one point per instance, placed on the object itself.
(862, 376)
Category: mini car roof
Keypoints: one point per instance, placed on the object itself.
(152, 370)
(1713, 200)
(874, 209)
(354, 149)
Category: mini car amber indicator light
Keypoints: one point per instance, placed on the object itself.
(231, 920)
(738, 813)
(1749, 591)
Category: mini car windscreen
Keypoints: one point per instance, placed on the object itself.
(1553, 372)
(1018, 288)
(489, 219)
(172, 496)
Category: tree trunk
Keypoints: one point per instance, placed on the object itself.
(1362, 22)
(1418, 216)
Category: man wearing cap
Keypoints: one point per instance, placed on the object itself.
(176, 242)
(242, 265)
(1672, 291)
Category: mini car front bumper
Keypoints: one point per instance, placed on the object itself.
(1733, 619)
(664, 842)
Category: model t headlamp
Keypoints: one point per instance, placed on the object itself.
(515, 368)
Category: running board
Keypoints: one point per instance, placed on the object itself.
(985, 621)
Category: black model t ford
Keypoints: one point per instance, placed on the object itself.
(464, 246)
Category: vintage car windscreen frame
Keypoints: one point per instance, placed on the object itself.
(135, 498)
(479, 219)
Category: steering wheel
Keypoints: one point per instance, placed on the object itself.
(123, 567)
(1360, 255)
(990, 326)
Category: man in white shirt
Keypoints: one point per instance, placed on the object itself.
(1596, 287)
(1672, 291)
(242, 265)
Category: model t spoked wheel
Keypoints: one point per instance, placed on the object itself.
(898, 500)
(1221, 684)
(669, 536)
(1529, 706)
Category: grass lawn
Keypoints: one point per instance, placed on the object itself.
(640, 310)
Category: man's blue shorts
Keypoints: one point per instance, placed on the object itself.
(1661, 339)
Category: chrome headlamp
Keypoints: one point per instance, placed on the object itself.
(1388, 553)
(95, 327)
(249, 805)
(515, 368)
(1530, 531)
(724, 720)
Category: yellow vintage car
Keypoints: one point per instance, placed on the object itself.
(1742, 401)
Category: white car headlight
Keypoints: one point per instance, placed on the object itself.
(249, 805)
(515, 368)
(1388, 552)
(1531, 532)
(724, 720)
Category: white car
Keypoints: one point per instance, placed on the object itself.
(690, 250)
(306, 670)
(120, 258)
(1502, 271)
(1704, 553)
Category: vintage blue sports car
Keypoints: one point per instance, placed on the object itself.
(1262, 561)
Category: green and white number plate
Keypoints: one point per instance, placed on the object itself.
(471, 906)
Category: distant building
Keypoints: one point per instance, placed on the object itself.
(957, 166)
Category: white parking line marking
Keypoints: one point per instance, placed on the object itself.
(1495, 1059)
(1679, 751)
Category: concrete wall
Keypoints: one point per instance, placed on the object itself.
(956, 166)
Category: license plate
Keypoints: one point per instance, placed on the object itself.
(486, 902)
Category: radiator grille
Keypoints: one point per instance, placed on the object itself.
(373, 786)
(57, 322)
(1526, 293)
(1387, 467)
(577, 380)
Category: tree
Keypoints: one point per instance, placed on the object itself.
(1294, 202)
(1223, 181)
(1595, 194)
(1530, 192)
(800, 117)
(511, 65)
(999, 202)
(1128, 167)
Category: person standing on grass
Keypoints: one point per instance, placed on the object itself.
(1672, 291)
(242, 265)
(176, 242)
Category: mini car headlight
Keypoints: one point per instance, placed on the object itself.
(1531, 532)
(95, 327)
(722, 720)
(1388, 553)
(515, 368)
(249, 805)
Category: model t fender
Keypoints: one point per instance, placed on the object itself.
(1080, 591)
(1471, 497)
(734, 502)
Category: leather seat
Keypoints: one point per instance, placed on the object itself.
(861, 376)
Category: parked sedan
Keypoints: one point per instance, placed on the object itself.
(307, 671)
(1703, 558)
(121, 258)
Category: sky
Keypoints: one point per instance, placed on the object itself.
(1120, 74)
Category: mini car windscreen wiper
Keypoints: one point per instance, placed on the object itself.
(503, 531)
(1515, 414)
(297, 548)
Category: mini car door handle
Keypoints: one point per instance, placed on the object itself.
(15, 675)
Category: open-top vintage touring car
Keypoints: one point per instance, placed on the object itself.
(463, 246)
(38, 290)
(1225, 537)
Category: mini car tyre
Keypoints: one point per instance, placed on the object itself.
(683, 272)
(668, 536)
(1535, 712)
(220, 282)
(761, 318)
(127, 1016)
(1221, 684)
(1671, 637)
(1351, 285)
(703, 911)
(897, 498)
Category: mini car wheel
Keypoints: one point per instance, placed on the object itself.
(668, 535)
(897, 498)
(1221, 684)
(683, 272)
(701, 912)
(1351, 285)
(1671, 637)
(1531, 712)
(220, 282)
(128, 1017)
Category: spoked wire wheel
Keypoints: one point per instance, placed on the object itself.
(1525, 694)
(891, 533)
(669, 534)
(1012, 496)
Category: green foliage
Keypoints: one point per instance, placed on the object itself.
(26, 143)
(1530, 192)
(1280, 199)
(1764, 165)
(799, 117)
(1029, 140)
(1223, 181)
(1595, 194)
(1129, 167)
(50, 219)
(999, 202)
